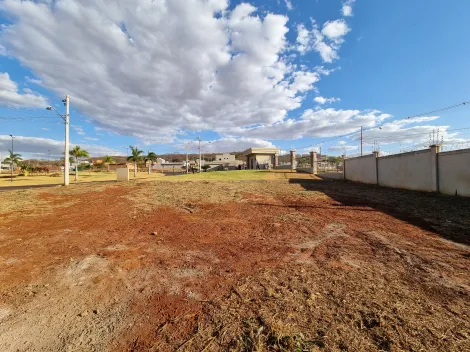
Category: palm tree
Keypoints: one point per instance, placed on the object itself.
(136, 155)
(13, 159)
(108, 160)
(78, 152)
(151, 158)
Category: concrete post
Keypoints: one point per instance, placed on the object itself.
(313, 162)
(292, 160)
(276, 161)
(376, 155)
(344, 166)
(435, 149)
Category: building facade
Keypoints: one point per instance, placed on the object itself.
(225, 157)
(260, 158)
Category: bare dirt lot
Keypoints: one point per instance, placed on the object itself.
(291, 263)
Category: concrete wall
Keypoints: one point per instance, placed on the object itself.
(454, 172)
(361, 169)
(424, 170)
(226, 157)
(262, 159)
(122, 174)
(408, 170)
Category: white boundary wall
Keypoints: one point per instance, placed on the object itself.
(409, 170)
(454, 172)
(424, 170)
(362, 169)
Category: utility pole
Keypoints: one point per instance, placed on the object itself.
(200, 159)
(49, 158)
(66, 119)
(361, 140)
(321, 158)
(0, 163)
(67, 161)
(11, 159)
(150, 162)
(186, 147)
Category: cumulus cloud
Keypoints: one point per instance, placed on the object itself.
(346, 10)
(11, 96)
(315, 123)
(335, 30)
(326, 42)
(153, 68)
(39, 147)
(322, 100)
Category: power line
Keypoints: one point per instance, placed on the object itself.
(418, 134)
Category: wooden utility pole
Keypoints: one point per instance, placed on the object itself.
(361, 141)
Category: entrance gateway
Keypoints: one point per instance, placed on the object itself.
(261, 157)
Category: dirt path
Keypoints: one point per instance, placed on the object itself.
(253, 265)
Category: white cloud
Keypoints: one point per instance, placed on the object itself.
(289, 5)
(322, 100)
(326, 43)
(347, 8)
(45, 129)
(303, 81)
(232, 144)
(400, 131)
(10, 95)
(41, 146)
(335, 30)
(78, 129)
(33, 80)
(91, 139)
(315, 123)
(342, 147)
(135, 70)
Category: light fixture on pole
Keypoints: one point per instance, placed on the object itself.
(66, 119)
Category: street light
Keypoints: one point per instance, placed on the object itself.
(66, 118)
(11, 159)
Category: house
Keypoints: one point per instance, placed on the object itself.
(261, 157)
(225, 157)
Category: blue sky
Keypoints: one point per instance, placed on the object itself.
(258, 73)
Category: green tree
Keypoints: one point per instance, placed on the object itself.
(108, 160)
(25, 168)
(13, 159)
(136, 155)
(151, 158)
(205, 167)
(76, 153)
(334, 159)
